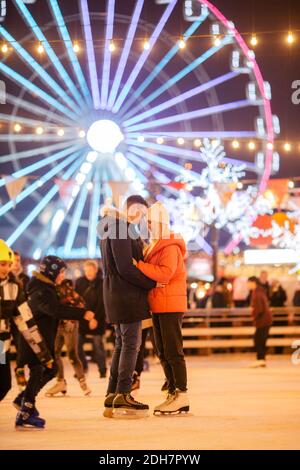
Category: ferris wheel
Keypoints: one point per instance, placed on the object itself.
(109, 97)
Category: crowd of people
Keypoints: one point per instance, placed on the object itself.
(143, 285)
(142, 288)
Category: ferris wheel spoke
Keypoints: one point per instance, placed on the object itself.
(37, 110)
(185, 153)
(178, 76)
(221, 108)
(40, 164)
(32, 138)
(107, 53)
(32, 152)
(195, 134)
(167, 164)
(35, 90)
(27, 121)
(69, 46)
(86, 25)
(76, 216)
(142, 59)
(162, 64)
(180, 98)
(125, 53)
(37, 184)
(94, 213)
(43, 75)
(41, 205)
(63, 74)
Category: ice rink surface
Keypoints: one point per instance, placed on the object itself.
(232, 407)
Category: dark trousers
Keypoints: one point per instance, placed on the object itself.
(260, 341)
(127, 346)
(5, 375)
(39, 376)
(168, 341)
(141, 356)
(99, 353)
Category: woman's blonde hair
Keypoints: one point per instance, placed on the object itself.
(160, 221)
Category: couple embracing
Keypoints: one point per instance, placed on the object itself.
(140, 278)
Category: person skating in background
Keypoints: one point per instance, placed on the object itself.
(90, 287)
(262, 318)
(47, 309)
(67, 334)
(296, 297)
(14, 309)
(125, 299)
(164, 263)
(278, 295)
(240, 292)
(264, 282)
(23, 279)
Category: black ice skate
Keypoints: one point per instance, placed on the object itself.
(125, 406)
(108, 405)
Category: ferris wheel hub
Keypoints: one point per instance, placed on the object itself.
(104, 136)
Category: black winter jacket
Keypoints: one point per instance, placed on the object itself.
(47, 311)
(92, 293)
(125, 286)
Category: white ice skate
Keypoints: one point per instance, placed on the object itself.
(84, 387)
(176, 403)
(258, 363)
(59, 387)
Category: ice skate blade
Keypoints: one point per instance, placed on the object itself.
(126, 413)
(28, 428)
(55, 395)
(182, 411)
(108, 413)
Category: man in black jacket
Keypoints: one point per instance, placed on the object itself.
(47, 310)
(90, 287)
(125, 299)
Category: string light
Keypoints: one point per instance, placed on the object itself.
(235, 144)
(180, 141)
(291, 184)
(197, 143)
(181, 44)
(17, 127)
(251, 146)
(253, 41)
(217, 41)
(39, 130)
(290, 38)
(270, 146)
(146, 45)
(239, 185)
(40, 49)
(60, 132)
(4, 48)
(81, 133)
(287, 147)
(76, 47)
(112, 46)
(141, 138)
(160, 140)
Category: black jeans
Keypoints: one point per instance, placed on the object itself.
(5, 375)
(260, 341)
(168, 341)
(141, 356)
(38, 378)
(99, 352)
(127, 346)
